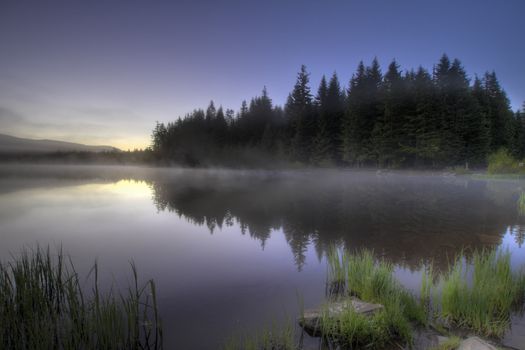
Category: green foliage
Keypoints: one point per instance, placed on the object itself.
(502, 162)
(44, 306)
(362, 276)
(351, 330)
(480, 294)
(477, 294)
(521, 204)
(450, 344)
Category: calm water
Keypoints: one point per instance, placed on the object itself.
(232, 250)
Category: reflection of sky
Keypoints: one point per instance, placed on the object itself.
(219, 282)
(517, 248)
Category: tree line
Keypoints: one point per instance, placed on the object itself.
(400, 118)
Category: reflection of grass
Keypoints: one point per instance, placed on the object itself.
(478, 294)
(42, 306)
(276, 338)
(521, 204)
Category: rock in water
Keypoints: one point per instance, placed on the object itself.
(312, 317)
(475, 343)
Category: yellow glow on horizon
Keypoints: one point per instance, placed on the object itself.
(130, 188)
(131, 143)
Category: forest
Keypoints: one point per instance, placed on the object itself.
(398, 119)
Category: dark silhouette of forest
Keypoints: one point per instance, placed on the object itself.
(394, 119)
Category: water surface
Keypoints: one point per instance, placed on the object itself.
(232, 250)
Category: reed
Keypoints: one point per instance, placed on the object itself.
(521, 204)
(481, 294)
(43, 306)
(361, 275)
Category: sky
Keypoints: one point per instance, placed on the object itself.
(102, 72)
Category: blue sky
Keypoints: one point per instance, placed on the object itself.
(103, 71)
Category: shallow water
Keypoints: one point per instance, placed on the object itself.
(234, 251)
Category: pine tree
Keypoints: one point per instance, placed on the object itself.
(498, 112)
(322, 94)
(388, 130)
(334, 112)
(479, 126)
(364, 109)
(321, 150)
(351, 136)
(300, 113)
(423, 130)
(517, 146)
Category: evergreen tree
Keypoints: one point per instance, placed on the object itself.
(498, 112)
(334, 112)
(479, 128)
(322, 94)
(352, 125)
(321, 152)
(517, 146)
(364, 109)
(299, 109)
(388, 131)
(321, 149)
(413, 119)
(424, 129)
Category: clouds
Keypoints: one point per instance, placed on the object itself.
(102, 71)
(39, 110)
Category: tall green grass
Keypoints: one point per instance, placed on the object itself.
(371, 280)
(43, 306)
(521, 204)
(481, 294)
(478, 293)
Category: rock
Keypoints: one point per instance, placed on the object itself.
(426, 338)
(311, 318)
(475, 343)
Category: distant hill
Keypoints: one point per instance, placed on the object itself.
(11, 144)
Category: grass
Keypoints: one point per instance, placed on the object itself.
(521, 204)
(477, 293)
(480, 295)
(43, 306)
(450, 344)
(360, 275)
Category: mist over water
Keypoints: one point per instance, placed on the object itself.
(231, 249)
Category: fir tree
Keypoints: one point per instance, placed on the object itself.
(300, 112)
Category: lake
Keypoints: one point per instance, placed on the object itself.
(234, 251)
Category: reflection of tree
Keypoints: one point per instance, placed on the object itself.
(408, 218)
(518, 232)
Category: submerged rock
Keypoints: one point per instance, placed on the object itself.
(312, 317)
(475, 343)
